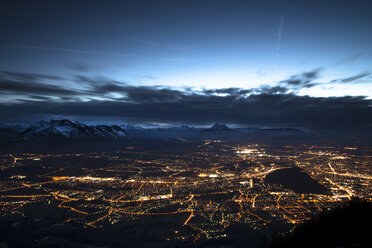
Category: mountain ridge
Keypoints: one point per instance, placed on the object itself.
(58, 130)
(65, 129)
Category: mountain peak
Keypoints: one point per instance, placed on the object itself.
(217, 128)
(62, 122)
(220, 127)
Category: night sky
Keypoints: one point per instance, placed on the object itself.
(252, 63)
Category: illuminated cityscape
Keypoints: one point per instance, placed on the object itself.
(194, 192)
(185, 123)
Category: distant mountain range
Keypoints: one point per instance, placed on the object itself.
(67, 130)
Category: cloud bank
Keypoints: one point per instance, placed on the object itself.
(35, 97)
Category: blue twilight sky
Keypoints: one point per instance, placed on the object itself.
(188, 46)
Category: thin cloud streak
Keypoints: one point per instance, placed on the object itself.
(61, 49)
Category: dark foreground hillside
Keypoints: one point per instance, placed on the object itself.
(346, 226)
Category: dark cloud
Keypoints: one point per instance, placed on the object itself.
(30, 86)
(350, 59)
(36, 97)
(355, 78)
(229, 91)
(303, 80)
(26, 88)
(7, 75)
(266, 105)
(239, 92)
(266, 89)
(260, 109)
(82, 67)
(139, 94)
(88, 80)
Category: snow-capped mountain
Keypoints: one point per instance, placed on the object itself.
(219, 128)
(62, 131)
(66, 129)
